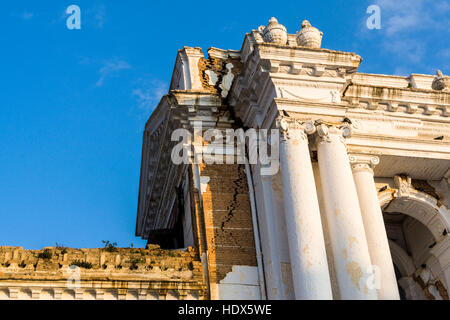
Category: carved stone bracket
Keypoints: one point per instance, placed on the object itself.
(403, 185)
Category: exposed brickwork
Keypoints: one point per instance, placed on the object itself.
(218, 66)
(424, 186)
(227, 220)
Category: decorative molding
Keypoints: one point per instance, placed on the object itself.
(333, 96)
(401, 100)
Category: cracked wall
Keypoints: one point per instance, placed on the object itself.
(218, 71)
(228, 229)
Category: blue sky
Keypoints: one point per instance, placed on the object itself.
(74, 102)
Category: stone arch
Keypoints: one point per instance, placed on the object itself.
(401, 259)
(418, 205)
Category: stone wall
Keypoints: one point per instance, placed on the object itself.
(111, 274)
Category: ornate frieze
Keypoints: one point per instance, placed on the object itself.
(402, 100)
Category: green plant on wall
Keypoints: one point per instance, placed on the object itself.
(134, 261)
(110, 246)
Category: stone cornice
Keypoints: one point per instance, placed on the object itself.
(420, 102)
(291, 72)
(253, 41)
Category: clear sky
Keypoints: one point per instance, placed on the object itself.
(74, 102)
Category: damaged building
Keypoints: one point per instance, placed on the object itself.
(356, 209)
(353, 204)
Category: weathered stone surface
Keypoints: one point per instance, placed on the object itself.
(118, 269)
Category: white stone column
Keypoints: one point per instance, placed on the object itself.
(268, 226)
(377, 240)
(304, 227)
(348, 240)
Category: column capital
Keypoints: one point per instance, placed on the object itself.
(294, 129)
(364, 162)
(327, 132)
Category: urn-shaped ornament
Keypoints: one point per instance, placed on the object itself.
(441, 82)
(308, 36)
(274, 32)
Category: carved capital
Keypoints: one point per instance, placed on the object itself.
(362, 162)
(292, 129)
(326, 133)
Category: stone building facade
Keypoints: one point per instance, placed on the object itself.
(355, 204)
(351, 201)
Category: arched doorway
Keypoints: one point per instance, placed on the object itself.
(415, 223)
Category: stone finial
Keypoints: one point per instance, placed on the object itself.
(308, 36)
(274, 32)
(441, 82)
